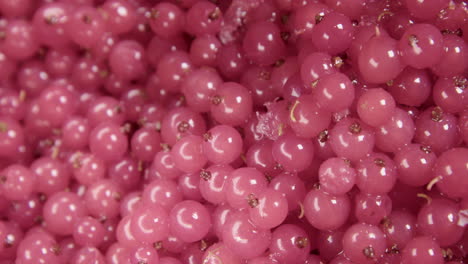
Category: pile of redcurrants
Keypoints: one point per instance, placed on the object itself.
(233, 131)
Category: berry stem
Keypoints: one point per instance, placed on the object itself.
(291, 113)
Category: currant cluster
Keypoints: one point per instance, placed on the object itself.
(233, 131)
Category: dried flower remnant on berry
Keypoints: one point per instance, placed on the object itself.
(158, 245)
(207, 136)
(379, 162)
(337, 62)
(355, 128)
(460, 82)
(319, 18)
(413, 41)
(448, 254)
(203, 245)
(183, 127)
(301, 242)
(426, 149)
(394, 249)
(216, 100)
(323, 136)
(252, 201)
(437, 114)
(278, 63)
(264, 75)
(369, 252)
(205, 175)
(215, 14)
(51, 20)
